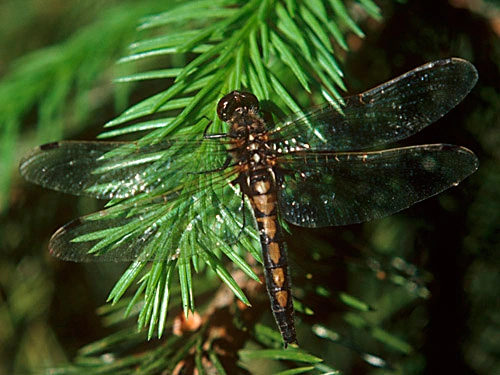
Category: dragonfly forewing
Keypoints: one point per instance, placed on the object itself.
(107, 170)
(385, 114)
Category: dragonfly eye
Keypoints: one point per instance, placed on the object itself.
(236, 101)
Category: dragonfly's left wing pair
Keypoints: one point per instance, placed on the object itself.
(166, 187)
(107, 170)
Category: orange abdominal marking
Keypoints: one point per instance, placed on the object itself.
(274, 252)
(268, 225)
(262, 187)
(282, 297)
(263, 204)
(278, 277)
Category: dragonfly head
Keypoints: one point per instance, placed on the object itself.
(236, 101)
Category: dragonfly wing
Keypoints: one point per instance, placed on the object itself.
(116, 234)
(190, 203)
(325, 189)
(108, 170)
(387, 113)
(159, 228)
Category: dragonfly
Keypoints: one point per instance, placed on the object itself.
(324, 167)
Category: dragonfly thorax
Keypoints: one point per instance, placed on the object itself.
(249, 135)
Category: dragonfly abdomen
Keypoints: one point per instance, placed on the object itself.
(262, 194)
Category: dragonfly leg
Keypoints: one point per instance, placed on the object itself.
(242, 209)
(212, 136)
